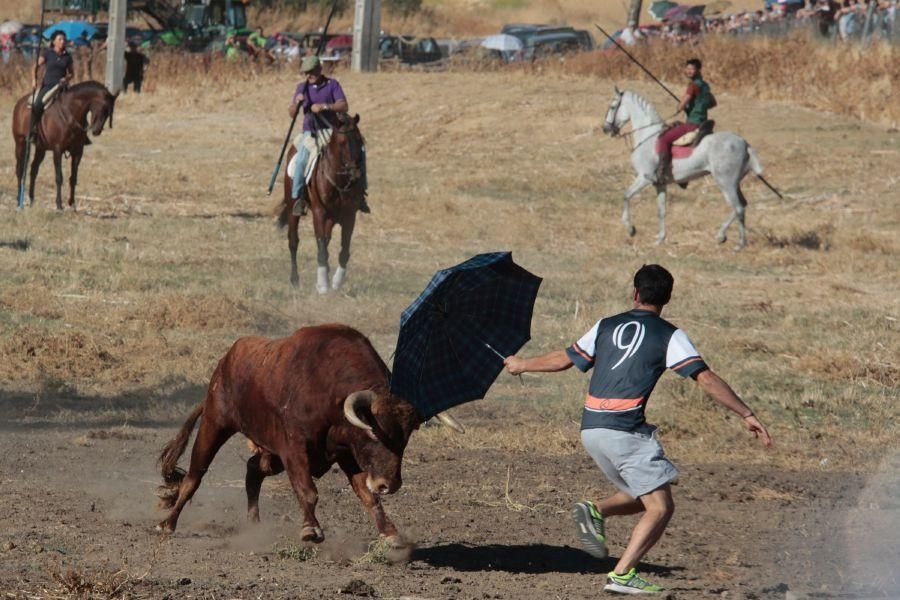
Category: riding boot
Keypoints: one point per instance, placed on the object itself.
(363, 205)
(663, 167)
(301, 204)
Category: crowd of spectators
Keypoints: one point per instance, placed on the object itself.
(844, 20)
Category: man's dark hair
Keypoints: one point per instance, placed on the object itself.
(694, 61)
(56, 34)
(654, 285)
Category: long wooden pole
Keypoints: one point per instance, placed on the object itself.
(37, 55)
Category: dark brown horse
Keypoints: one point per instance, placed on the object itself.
(334, 194)
(63, 128)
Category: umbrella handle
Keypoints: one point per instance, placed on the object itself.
(494, 350)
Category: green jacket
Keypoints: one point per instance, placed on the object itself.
(698, 107)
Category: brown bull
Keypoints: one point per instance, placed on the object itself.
(306, 402)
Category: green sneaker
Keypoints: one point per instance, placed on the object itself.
(629, 583)
(590, 530)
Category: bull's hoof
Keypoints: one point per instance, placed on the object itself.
(631, 230)
(401, 550)
(312, 534)
(164, 527)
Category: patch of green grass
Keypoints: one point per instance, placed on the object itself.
(296, 552)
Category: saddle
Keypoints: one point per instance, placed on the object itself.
(49, 97)
(693, 138)
(312, 145)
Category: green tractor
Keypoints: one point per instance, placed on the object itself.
(190, 24)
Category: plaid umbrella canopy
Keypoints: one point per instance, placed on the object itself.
(454, 336)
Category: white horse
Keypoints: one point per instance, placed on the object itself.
(726, 156)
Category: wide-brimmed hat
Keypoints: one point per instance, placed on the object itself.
(309, 63)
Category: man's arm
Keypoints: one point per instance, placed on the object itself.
(337, 106)
(551, 362)
(722, 393)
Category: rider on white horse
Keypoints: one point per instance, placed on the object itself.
(697, 100)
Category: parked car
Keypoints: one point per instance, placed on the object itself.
(409, 49)
(542, 45)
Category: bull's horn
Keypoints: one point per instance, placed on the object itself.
(450, 422)
(364, 398)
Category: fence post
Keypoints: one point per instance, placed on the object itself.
(115, 45)
(366, 32)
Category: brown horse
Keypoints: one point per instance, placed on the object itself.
(63, 128)
(334, 194)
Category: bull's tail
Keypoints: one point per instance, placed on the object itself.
(753, 160)
(168, 461)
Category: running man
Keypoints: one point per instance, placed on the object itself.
(629, 352)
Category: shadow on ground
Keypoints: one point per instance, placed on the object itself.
(524, 558)
(60, 407)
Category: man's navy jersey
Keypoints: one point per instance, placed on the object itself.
(629, 352)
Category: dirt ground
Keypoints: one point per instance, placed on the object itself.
(112, 319)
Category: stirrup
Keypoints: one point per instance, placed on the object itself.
(300, 207)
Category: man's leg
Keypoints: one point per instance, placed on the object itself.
(659, 507)
(299, 177)
(620, 504)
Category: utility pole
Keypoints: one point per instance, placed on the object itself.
(115, 45)
(366, 31)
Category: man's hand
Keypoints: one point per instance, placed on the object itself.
(515, 365)
(755, 426)
(317, 108)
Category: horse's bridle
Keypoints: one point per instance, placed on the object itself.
(348, 166)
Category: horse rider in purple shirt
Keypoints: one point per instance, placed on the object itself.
(321, 97)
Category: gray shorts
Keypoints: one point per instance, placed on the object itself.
(632, 460)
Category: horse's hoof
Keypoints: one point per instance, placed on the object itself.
(338, 280)
(721, 238)
(312, 534)
(739, 247)
(660, 240)
(295, 281)
(631, 231)
(322, 289)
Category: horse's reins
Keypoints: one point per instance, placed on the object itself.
(346, 166)
(626, 134)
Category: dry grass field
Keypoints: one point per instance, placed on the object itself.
(112, 319)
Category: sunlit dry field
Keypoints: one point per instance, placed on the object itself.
(112, 319)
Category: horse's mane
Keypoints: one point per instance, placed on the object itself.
(88, 86)
(645, 104)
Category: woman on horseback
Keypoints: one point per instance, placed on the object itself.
(58, 70)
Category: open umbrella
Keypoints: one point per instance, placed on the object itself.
(72, 29)
(684, 12)
(502, 42)
(10, 27)
(454, 337)
(659, 8)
